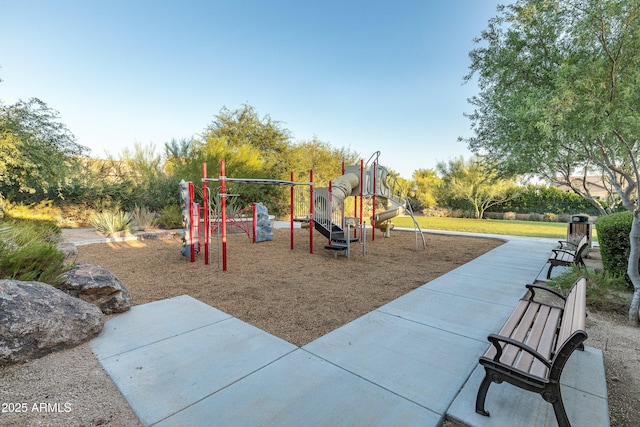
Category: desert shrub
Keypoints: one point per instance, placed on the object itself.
(170, 218)
(563, 218)
(523, 216)
(494, 215)
(142, 218)
(111, 222)
(436, 212)
(510, 216)
(536, 217)
(613, 235)
(550, 217)
(28, 252)
(604, 291)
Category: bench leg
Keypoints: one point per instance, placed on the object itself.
(555, 399)
(482, 395)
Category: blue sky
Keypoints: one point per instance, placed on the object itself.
(366, 75)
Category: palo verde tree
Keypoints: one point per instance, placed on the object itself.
(424, 185)
(474, 182)
(559, 94)
(36, 151)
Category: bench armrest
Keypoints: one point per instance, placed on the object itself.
(532, 288)
(564, 243)
(564, 251)
(497, 339)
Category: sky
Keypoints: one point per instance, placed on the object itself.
(368, 76)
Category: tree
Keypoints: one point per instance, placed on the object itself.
(243, 129)
(474, 182)
(559, 93)
(322, 158)
(425, 183)
(36, 150)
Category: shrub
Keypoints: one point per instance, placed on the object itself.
(28, 251)
(604, 290)
(111, 223)
(510, 216)
(142, 218)
(564, 218)
(494, 215)
(536, 217)
(613, 235)
(170, 218)
(550, 217)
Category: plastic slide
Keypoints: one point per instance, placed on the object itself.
(347, 185)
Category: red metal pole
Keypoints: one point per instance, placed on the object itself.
(375, 190)
(255, 221)
(223, 218)
(311, 211)
(292, 212)
(361, 189)
(191, 220)
(205, 208)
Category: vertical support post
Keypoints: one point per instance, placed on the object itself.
(375, 191)
(361, 189)
(191, 225)
(255, 221)
(330, 213)
(342, 207)
(311, 211)
(223, 214)
(205, 208)
(292, 207)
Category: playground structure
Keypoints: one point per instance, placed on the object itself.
(320, 209)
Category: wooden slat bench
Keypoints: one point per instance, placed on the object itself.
(566, 257)
(532, 347)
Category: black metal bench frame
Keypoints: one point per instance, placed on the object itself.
(534, 345)
(564, 256)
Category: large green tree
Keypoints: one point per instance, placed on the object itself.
(559, 95)
(425, 183)
(36, 150)
(472, 181)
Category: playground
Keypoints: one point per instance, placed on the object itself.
(292, 294)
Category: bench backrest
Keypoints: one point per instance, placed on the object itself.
(582, 246)
(572, 330)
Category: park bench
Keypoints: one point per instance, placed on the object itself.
(568, 254)
(531, 349)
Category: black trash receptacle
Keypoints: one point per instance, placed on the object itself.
(578, 227)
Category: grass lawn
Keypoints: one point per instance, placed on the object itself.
(513, 228)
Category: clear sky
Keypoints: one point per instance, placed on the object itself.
(367, 75)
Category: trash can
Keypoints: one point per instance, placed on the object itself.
(578, 227)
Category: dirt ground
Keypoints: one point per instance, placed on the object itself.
(292, 294)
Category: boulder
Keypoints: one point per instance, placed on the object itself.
(97, 285)
(37, 319)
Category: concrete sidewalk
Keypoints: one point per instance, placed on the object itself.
(413, 361)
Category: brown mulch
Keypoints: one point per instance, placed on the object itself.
(294, 295)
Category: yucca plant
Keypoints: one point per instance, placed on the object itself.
(142, 218)
(111, 222)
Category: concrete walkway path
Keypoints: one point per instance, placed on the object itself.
(411, 362)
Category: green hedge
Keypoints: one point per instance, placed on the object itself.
(613, 235)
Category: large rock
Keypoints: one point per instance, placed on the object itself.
(97, 285)
(37, 319)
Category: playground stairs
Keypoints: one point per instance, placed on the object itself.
(335, 234)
